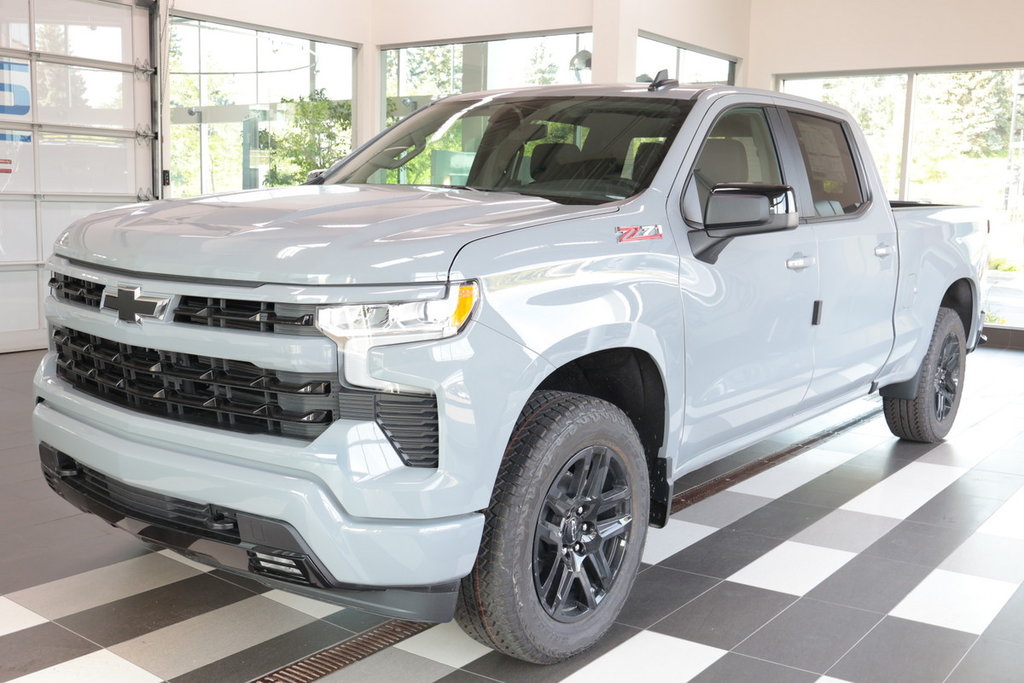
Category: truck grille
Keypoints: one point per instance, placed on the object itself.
(408, 420)
(213, 392)
(239, 314)
(75, 290)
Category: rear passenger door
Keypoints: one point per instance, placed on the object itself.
(857, 260)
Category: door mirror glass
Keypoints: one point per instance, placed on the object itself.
(747, 208)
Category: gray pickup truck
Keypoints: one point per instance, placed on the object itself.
(458, 374)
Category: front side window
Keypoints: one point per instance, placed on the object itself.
(586, 150)
(739, 149)
(835, 187)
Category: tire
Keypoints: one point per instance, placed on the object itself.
(555, 564)
(929, 416)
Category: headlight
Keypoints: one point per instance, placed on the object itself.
(400, 322)
(359, 327)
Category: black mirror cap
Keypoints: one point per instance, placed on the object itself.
(750, 208)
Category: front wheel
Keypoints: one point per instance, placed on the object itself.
(929, 416)
(564, 531)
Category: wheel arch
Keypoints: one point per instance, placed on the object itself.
(630, 379)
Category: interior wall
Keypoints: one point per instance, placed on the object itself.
(722, 26)
(811, 36)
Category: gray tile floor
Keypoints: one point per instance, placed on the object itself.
(862, 559)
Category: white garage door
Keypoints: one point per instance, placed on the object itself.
(75, 136)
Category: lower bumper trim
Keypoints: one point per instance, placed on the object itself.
(267, 550)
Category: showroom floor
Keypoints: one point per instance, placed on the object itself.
(862, 559)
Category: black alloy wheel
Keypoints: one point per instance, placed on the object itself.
(947, 377)
(582, 534)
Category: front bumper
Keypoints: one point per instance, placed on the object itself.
(271, 551)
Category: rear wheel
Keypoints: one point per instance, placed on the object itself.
(929, 416)
(564, 531)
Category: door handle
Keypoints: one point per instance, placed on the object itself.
(883, 250)
(798, 261)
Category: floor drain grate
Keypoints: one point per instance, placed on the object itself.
(344, 653)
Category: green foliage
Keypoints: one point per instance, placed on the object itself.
(320, 133)
(980, 106)
(1002, 264)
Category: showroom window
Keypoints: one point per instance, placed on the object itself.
(685, 64)
(963, 143)
(76, 136)
(415, 76)
(253, 108)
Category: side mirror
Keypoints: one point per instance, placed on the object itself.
(315, 175)
(749, 208)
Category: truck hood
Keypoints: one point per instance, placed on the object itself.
(308, 235)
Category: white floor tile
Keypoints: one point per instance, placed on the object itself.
(14, 617)
(793, 568)
(651, 656)
(445, 643)
(792, 474)
(676, 535)
(1007, 520)
(846, 530)
(314, 608)
(957, 601)
(96, 667)
(899, 494)
(994, 557)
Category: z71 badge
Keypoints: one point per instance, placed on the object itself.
(635, 233)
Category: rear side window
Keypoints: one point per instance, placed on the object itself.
(835, 187)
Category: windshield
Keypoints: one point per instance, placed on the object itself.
(567, 149)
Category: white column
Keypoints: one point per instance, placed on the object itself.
(615, 34)
(367, 94)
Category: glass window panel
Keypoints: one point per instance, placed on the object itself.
(183, 90)
(57, 216)
(80, 164)
(78, 28)
(17, 169)
(186, 160)
(333, 70)
(284, 67)
(184, 46)
(18, 231)
(835, 186)
(14, 24)
(544, 60)
(19, 306)
(877, 103)
(15, 89)
(220, 89)
(652, 56)
(227, 49)
(695, 67)
(84, 97)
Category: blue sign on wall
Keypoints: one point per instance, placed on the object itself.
(14, 79)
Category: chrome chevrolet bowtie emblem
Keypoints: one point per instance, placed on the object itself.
(132, 307)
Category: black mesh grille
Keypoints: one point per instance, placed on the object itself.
(148, 506)
(215, 392)
(75, 290)
(240, 314)
(408, 420)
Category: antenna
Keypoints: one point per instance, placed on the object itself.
(662, 81)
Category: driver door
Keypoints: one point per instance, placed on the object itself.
(747, 300)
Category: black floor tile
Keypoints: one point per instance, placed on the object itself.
(872, 583)
(660, 591)
(956, 509)
(32, 649)
(917, 543)
(460, 676)
(721, 554)
(779, 519)
(991, 661)
(66, 559)
(245, 582)
(996, 485)
(355, 620)
(500, 667)
(1009, 623)
(733, 668)
(834, 488)
(725, 615)
(268, 656)
(810, 635)
(121, 620)
(904, 651)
